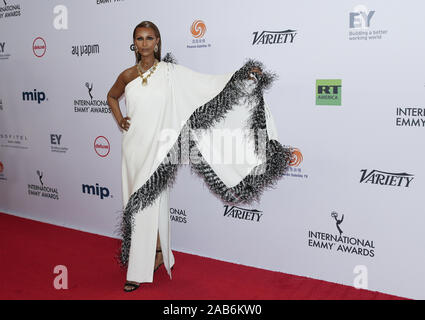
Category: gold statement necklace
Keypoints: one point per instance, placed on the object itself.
(145, 79)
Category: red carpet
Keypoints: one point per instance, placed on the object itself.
(30, 250)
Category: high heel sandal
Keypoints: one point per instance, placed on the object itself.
(159, 250)
(133, 286)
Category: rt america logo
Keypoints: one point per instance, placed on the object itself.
(386, 178)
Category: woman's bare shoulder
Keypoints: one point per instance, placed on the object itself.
(128, 74)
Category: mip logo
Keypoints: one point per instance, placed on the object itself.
(360, 17)
(101, 192)
(35, 95)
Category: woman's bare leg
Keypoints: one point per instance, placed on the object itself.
(158, 257)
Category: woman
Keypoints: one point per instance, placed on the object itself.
(162, 95)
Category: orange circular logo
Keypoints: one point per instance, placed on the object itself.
(198, 29)
(297, 157)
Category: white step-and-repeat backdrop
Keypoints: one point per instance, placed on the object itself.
(349, 98)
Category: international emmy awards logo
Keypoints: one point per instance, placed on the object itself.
(90, 88)
(40, 175)
(338, 222)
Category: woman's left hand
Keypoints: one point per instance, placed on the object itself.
(255, 70)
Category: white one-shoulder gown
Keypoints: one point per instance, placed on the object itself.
(158, 112)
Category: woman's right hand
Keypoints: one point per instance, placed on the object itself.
(125, 123)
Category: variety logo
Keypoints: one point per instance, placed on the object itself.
(197, 30)
(85, 49)
(92, 105)
(34, 95)
(3, 54)
(101, 192)
(178, 215)
(410, 117)
(274, 37)
(102, 146)
(41, 190)
(55, 141)
(340, 243)
(294, 169)
(18, 141)
(360, 25)
(10, 10)
(39, 47)
(242, 213)
(386, 178)
(328, 92)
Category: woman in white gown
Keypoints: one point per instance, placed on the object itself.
(171, 111)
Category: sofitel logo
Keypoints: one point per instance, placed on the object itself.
(335, 242)
(242, 214)
(274, 37)
(42, 190)
(18, 141)
(386, 178)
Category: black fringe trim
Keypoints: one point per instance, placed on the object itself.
(169, 58)
(249, 189)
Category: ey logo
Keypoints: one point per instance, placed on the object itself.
(328, 92)
(55, 139)
(360, 17)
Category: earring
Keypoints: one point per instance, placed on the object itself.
(156, 48)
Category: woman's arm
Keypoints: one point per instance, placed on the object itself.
(113, 95)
